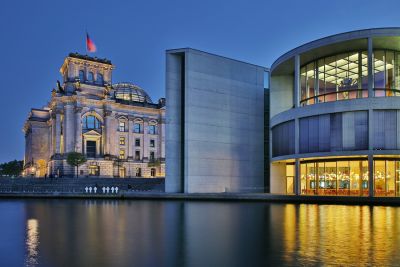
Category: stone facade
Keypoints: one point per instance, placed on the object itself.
(117, 126)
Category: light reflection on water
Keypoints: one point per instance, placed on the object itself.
(173, 233)
(32, 242)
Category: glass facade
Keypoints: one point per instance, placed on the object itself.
(386, 73)
(345, 76)
(342, 178)
(387, 178)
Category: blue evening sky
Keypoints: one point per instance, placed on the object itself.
(36, 35)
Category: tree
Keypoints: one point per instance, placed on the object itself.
(11, 168)
(76, 159)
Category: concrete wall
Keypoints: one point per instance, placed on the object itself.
(281, 94)
(278, 178)
(220, 147)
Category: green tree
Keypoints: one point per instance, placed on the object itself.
(76, 159)
(11, 168)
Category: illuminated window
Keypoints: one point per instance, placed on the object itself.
(137, 128)
(121, 127)
(152, 129)
(94, 170)
(152, 143)
(122, 140)
(122, 153)
(137, 142)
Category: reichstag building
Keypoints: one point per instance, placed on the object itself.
(117, 126)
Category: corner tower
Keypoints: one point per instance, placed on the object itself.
(88, 75)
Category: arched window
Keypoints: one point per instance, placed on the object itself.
(81, 75)
(90, 122)
(100, 79)
(90, 77)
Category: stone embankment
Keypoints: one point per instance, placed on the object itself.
(78, 185)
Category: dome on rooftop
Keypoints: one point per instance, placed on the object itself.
(131, 92)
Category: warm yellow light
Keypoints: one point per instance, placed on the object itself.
(33, 169)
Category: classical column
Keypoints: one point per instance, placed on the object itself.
(78, 129)
(107, 132)
(69, 133)
(161, 137)
(53, 133)
(58, 131)
(131, 141)
(145, 144)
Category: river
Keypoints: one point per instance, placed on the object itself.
(66, 232)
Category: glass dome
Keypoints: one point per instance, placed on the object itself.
(131, 92)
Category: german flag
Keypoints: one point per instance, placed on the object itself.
(90, 46)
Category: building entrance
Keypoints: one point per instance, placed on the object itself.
(91, 149)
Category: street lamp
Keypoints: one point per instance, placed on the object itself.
(33, 170)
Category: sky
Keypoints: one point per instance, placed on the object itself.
(36, 36)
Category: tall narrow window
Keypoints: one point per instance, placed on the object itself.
(137, 155)
(90, 76)
(122, 140)
(137, 142)
(100, 78)
(81, 75)
(152, 129)
(121, 126)
(138, 172)
(137, 128)
(153, 172)
(122, 153)
(152, 156)
(152, 143)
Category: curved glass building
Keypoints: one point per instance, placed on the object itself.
(335, 116)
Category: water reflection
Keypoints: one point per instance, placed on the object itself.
(32, 242)
(157, 233)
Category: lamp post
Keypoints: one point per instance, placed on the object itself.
(33, 171)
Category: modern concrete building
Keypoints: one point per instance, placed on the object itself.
(215, 123)
(335, 116)
(117, 126)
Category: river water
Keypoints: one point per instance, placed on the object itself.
(178, 233)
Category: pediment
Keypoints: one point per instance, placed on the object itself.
(92, 133)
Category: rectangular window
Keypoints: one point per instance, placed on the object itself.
(122, 140)
(137, 155)
(153, 172)
(152, 129)
(137, 128)
(137, 142)
(121, 126)
(122, 153)
(152, 156)
(152, 143)
(138, 172)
